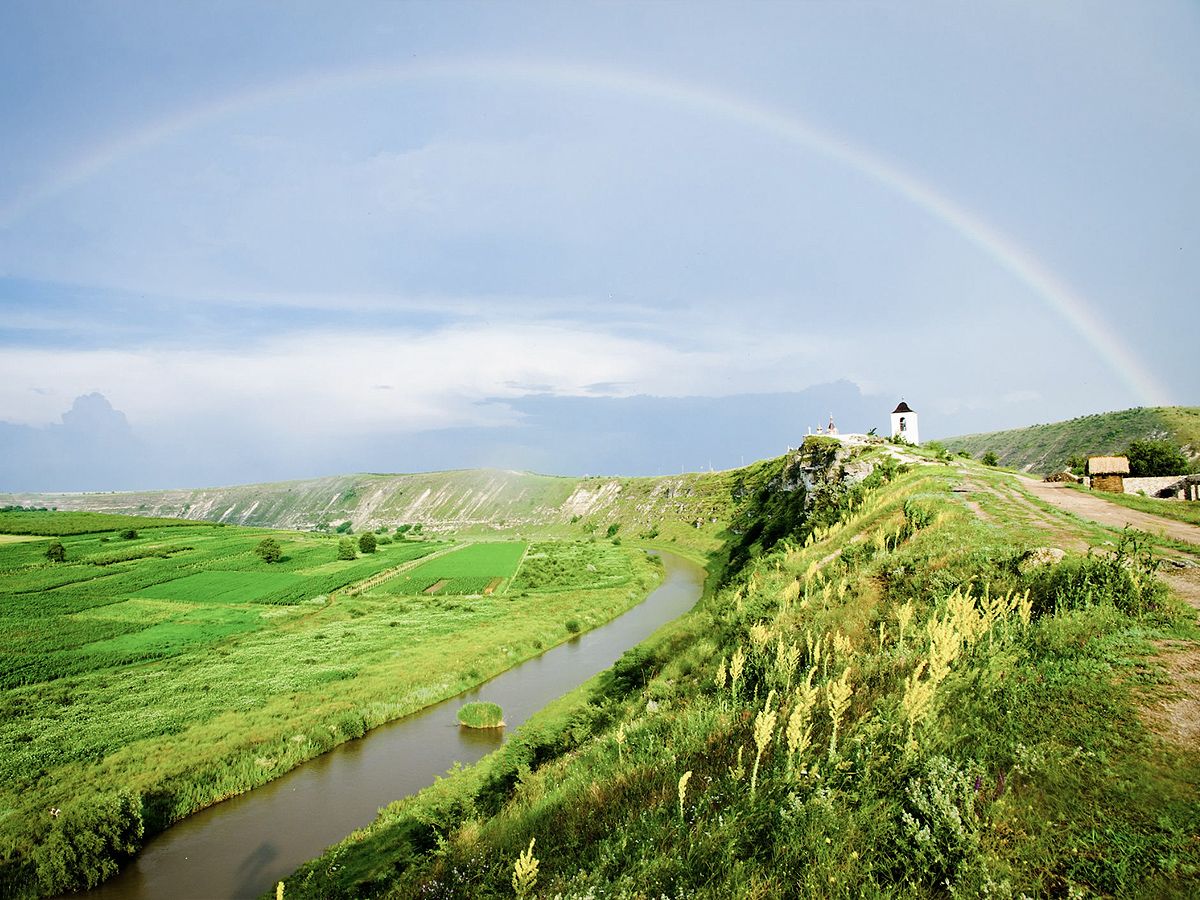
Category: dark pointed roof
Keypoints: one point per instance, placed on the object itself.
(903, 407)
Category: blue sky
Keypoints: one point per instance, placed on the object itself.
(287, 240)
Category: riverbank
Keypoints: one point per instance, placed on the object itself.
(241, 847)
(120, 753)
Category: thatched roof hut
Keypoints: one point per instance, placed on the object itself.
(1108, 465)
(1108, 473)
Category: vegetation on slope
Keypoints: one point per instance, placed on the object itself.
(144, 678)
(1044, 449)
(897, 703)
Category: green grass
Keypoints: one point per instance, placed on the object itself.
(470, 570)
(1031, 771)
(221, 587)
(481, 715)
(173, 675)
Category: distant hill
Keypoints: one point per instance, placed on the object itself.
(467, 499)
(1045, 448)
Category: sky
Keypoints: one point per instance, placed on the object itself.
(250, 241)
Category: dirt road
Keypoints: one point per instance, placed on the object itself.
(1106, 513)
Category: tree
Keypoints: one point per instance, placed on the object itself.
(990, 459)
(1149, 458)
(269, 551)
(346, 549)
(129, 534)
(56, 552)
(366, 543)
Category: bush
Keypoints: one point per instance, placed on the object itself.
(129, 534)
(344, 528)
(990, 459)
(367, 543)
(1150, 458)
(87, 842)
(573, 626)
(346, 549)
(939, 823)
(56, 552)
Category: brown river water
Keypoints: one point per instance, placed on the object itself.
(243, 846)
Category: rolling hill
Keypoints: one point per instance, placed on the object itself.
(1045, 448)
(461, 500)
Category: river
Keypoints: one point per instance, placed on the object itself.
(243, 846)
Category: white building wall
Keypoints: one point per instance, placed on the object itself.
(910, 432)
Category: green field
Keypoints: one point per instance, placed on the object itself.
(470, 570)
(181, 667)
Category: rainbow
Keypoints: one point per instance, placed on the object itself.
(1060, 297)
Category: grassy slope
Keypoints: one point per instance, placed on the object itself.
(154, 672)
(1029, 770)
(1045, 448)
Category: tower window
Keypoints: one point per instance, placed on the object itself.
(903, 424)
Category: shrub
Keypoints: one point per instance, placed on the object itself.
(612, 529)
(1125, 578)
(481, 715)
(573, 626)
(87, 842)
(129, 534)
(56, 552)
(938, 823)
(346, 549)
(367, 542)
(990, 458)
(1150, 458)
(344, 528)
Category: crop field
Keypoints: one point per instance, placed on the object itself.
(475, 569)
(63, 523)
(181, 668)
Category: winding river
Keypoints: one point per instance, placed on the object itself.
(243, 846)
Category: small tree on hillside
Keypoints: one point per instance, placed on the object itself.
(366, 543)
(346, 549)
(56, 552)
(269, 551)
(990, 459)
(1150, 458)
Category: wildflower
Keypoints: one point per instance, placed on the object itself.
(525, 872)
(904, 615)
(799, 725)
(764, 728)
(838, 694)
(683, 783)
(736, 665)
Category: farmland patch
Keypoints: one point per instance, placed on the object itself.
(470, 570)
(223, 587)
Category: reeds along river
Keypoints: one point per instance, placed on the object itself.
(243, 846)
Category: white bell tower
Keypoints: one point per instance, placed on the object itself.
(904, 423)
